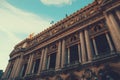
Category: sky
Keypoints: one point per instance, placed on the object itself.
(19, 18)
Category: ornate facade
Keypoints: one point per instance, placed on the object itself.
(82, 46)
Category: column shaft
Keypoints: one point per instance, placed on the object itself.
(45, 59)
(41, 61)
(17, 65)
(109, 42)
(88, 45)
(14, 68)
(82, 42)
(68, 55)
(63, 53)
(48, 62)
(30, 63)
(113, 31)
(115, 25)
(95, 47)
(6, 71)
(58, 56)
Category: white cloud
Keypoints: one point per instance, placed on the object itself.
(57, 2)
(13, 21)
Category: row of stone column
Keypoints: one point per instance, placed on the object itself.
(60, 57)
(114, 28)
(85, 45)
(84, 48)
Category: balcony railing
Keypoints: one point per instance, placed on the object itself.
(49, 72)
(71, 66)
(106, 56)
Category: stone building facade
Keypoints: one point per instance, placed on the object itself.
(82, 46)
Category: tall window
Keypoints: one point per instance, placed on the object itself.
(102, 44)
(36, 66)
(74, 57)
(23, 70)
(52, 61)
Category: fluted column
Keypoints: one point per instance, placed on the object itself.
(14, 68)
(109, 42)
(48, 62)
(41, 61)
(45, 59)
(30, 63)
(114, 30)
(115, 25)
(7, 69)
(95, 47)
(58, 55)
(19, 66)
(118, 13)
(63, 53)
(88, 45)
(82, 42)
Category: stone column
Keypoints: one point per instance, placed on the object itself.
(30, 64)
(19, 66)
(95, 47)
(79, 51)
(82, 42)
(48, 62)
(115, 25)
(45, 59)
(14, 68)
(114, 30)
(118, 13)
(88, 45)
(41, 60)
(7, 69)
(58, 56)
(109, 42)
(33, 67)
(63, 53)
(68, 55)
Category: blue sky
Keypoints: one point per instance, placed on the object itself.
(19, 18)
